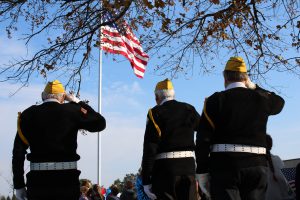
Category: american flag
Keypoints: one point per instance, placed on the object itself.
(121, 40)
(290, 175)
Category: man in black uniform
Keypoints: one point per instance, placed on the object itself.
(50, 131)
(168, 157)
(231, 144)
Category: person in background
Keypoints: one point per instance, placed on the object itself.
(84, 193)
(168, 156)
(278, 187)
(95, 193)
(128, 192)
(50, 131)
(141, 195)
(113, 195)
(231, 143)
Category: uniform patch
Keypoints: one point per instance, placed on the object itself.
(84, 111)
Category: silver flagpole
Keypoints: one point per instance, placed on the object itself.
(100, 111)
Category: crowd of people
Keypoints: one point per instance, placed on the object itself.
(229, 160)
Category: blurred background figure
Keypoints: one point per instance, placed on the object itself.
(95, 193)
(141, 195)
(128, 192)
(278, 187)
(113, 195)
(84, 193)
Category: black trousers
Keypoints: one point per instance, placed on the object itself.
(176, 188)
(239, 184)
(58, 185)
(174, 179)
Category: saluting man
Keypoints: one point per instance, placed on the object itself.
(231, 144)
(168, 165)
(50, 132)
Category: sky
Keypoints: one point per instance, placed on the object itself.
(125, 103)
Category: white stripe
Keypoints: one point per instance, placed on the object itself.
(114, 30)
(123, 49)
(132, 54)
(123, 39)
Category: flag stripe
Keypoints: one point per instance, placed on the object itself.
(135, 66)
(120, 50)
(114, 33)
(125, 44)
(125, 48)
(122, 39)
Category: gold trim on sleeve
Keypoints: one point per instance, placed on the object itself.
(207, 117)
(20, 131)
(152, 119)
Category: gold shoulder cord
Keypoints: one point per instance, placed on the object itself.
(207, 117)
(152, 119)
(20, 131)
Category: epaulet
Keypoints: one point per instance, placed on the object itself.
(153, 121)
(20, 133)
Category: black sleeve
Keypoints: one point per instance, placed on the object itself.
(204, 135)
(151, 141)
(19, 152)
(90, 120)
(276, 102)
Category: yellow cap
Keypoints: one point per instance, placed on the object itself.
(164, 85)
(54, 87)
(236, 64)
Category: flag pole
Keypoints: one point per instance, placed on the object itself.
(100, 111)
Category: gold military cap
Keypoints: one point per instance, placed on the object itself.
(236, 64)
(164, 85)
(54, 87)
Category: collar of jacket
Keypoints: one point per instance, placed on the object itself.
(235, 85)
(51, 100)
(165, 100)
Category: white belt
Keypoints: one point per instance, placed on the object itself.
(53, 165)
(238, 148)
(175, 154)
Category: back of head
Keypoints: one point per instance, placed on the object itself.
(53, 90)
(84, 189)
(164, 89)
(235, 70)
(129, 185)
(114, 190)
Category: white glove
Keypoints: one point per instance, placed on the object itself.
(147, 189)
(21, 194)
(72, 98)
(204, 183)
(249, 84)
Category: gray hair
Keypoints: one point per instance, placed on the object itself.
(58, 96)
(165, 94)
(234, 76)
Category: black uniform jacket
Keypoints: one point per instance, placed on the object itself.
(235, 116)
(50, 131)
(170, 127)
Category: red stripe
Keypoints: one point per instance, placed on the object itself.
(106, 33)
(123, 44)
(126, 55)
